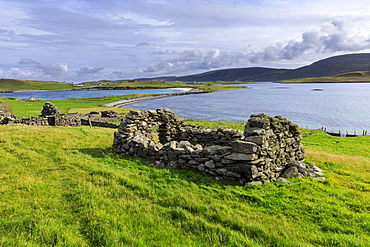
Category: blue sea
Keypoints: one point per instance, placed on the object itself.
(92, 93)
(334, 106)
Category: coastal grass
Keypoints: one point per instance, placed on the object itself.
(217, 85)
(8, 85)
(14, 85)
(25, 108)
(357, 76)
(65, 187)
(136, 84)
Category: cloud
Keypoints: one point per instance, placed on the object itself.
(33, 69)
(28, 61)
(195, 59)
(160, 52)
(19, 73)
(143, 44)
(54, 70)
(337, 36)
(88, 71)
(118, 74)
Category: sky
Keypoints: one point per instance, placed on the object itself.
(85, 40)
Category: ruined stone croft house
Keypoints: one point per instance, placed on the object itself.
(268, 150)
(50, 116)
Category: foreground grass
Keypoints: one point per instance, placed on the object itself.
(65, 187)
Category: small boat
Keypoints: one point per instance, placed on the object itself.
(316, 89)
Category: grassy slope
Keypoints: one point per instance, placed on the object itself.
(170, 84)
(358, 76)
(64, 187)
(23, 108)
(14, 85)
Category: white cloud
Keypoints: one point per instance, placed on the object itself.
(31, 69)
(54, 70)
(19, 73)
(335, 37)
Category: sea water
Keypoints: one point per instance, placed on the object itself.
(91, 93)
(335, 106)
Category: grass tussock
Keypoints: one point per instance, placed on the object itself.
(65, 187)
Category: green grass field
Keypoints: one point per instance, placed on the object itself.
(24, 108)
(65, 187)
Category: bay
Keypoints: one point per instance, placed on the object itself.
(335, 106)
(91, 93)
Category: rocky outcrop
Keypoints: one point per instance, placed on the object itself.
(268, 149)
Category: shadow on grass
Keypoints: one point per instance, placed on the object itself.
(188, 175)
(97, 152)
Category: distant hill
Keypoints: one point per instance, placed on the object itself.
(356, 76)
(326, 67)
(13, 84)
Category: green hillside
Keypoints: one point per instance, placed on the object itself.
(357, 76)
(322, 68)
(13, 85)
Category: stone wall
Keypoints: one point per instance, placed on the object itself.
(268, 150)
(35, 121)
(103, 124)
(50, 116)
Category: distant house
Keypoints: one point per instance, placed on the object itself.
(33, 99)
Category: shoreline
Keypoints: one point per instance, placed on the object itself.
(137, 99)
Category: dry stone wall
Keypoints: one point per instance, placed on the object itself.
(50, 116)
(268, 150)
